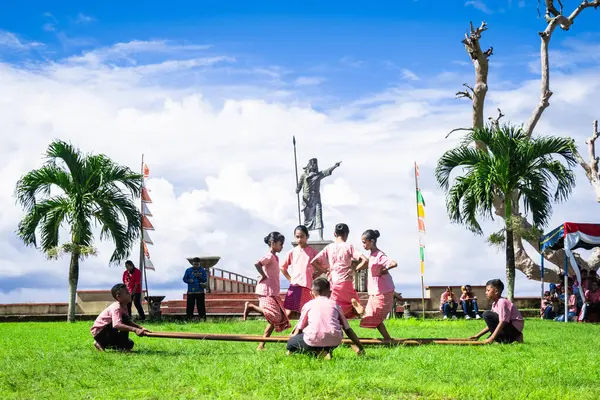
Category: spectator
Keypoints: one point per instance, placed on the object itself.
(448, 303)
(592, 299)
(546, 311)
(571, 307)
(585, 281)
(197, 280)
(469, 303)
(132, 278)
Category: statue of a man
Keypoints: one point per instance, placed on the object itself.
(310, 184)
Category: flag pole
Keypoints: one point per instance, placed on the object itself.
(296, 165)
(142, 259)
(421, 257)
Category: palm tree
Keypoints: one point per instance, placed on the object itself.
(506, 162)
(79, 192)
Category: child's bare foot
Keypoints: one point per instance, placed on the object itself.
(98, 346)
(387, 340)
(289, 353)
(246, 311)
(328, 356)
(261, 347)
(360, 310)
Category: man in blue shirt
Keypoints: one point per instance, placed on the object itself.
(197, 280)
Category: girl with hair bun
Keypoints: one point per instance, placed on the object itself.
(380, 286)
(267, 289)
(336, 259)
(297, 269)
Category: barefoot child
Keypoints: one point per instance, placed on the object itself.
(338, 257)
(380, 286)
(320, 326)
(296, 267)
(504, 321)
(111, 328)
(270, 304)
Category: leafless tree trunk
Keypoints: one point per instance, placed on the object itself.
(476, 94)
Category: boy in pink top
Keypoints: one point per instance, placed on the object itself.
(296, 267)
(504, 320)
(111, 328)
(380, 286)
(267, 289)
(338, 257)
(320, 326)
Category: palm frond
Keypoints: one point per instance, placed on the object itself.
(59, 150)
(39, 183)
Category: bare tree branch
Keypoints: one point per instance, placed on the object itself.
(457, 129)
(496, 121)
(554, 18)
(467, 93)
(591, 166)
(481, 64)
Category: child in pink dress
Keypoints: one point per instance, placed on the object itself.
(380, 286)
(338, 257)
(267, 289)
(296, 267)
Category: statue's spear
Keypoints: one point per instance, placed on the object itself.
(296, 165)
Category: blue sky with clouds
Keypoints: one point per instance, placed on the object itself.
(213, 93)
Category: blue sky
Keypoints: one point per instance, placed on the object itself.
(212, 94)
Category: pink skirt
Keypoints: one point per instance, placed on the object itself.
(378, 307)
(274, 312)
(296, 297)
(343, 293)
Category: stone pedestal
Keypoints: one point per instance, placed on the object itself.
(154, 303)
(207, 263)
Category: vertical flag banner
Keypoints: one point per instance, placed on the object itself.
(146, 224)
(421, 230)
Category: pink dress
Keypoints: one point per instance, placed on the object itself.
(297, 265)
(339, 256)
(268, 293)
(381, 291)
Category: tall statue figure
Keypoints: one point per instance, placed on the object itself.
(310, 184)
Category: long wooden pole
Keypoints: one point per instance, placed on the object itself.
(296, 166)
(284, 339)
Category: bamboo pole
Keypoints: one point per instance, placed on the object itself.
(284, 339)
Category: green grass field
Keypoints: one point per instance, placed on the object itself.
(57, 361)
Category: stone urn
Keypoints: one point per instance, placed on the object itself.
(154, 303)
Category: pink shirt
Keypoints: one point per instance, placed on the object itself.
(297, 265)
(322, 322)
(572, 304)
(508, 312)
(270, 285)
(378, 283)
(465, 296)
(339, 257)
(113, 314)
(446, 298)
(592, 297)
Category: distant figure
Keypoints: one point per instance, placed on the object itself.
(546, 311)
(571, 307)
(297, 269)
(380, 286)
(197, 280)
(132, 278)
(111, 328)
(310, 185)
(504, 320)
(469, 302)
(336, 259)
(448, 303)
(592, 299)
(320, 326)
(268, 287)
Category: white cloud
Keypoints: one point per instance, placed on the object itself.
(83, 19)
(12, 41)
(479, 5)
(222, 170)
(308, 81)
(409, 75)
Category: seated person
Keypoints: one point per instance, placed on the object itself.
(546, 311)
(111, 328)
(468, 301)
(504, 320)
(448, 303)
(320, 325)
(585, 281)
(592, 299)
(571, 308)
